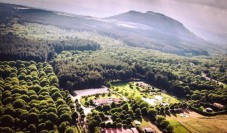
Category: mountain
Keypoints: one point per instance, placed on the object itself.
(164, 29)
(148, 30)
(159, 23)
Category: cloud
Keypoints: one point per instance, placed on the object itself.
(220, 4)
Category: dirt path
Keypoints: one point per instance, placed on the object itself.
(86, 110)
(87, 92)
(208, 78)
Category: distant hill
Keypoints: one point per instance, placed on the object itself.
(164, 29)
(148, 30)
(159, 23)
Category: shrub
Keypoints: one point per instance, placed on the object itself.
(7, 120)
(6, 130)
(32, 128)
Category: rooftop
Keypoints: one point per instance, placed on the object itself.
(103, 101)
(149, 130)
(120, 130)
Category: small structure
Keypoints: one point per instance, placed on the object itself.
(119, 130)
(134, 130)
(81, 121)
(192, 64)
(109, 119)
(149, 130)
(137, 123)
(158, 97)
(153, 93)
(164, 104)
(209, 110)
(213, 68)
(218, 105)
(164, 91)
(144, 85)
(104, 101)
(184, 115)
(153, 102)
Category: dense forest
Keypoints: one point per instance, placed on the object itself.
(43, 63)
(14, 47)
(31, 100)
(41, 42)
(181, 76)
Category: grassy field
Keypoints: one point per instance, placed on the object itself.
(125, 90)
(197, 123)
(104, 95)
(207, 124)
(137, 92)
(170, 98)
(177, 127)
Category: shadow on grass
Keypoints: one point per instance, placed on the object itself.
(174, 113)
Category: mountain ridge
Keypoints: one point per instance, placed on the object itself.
(166, 34)
(154, 20)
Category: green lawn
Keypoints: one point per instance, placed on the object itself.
(125, 90)
(138, 92)
(171, 98)
(145, 123)
(177, 127)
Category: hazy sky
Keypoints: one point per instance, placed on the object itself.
(206, 18)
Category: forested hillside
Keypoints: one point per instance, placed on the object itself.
(67, 73)
(30, 43)
(41, 42)
(161, 27)
(154, 33)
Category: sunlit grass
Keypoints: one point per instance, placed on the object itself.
(137, 92)
(124, 89)
(177, 127)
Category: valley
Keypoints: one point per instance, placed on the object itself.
(130, 73)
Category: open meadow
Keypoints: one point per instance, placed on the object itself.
(197, 123)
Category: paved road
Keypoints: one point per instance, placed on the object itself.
(86, 110)
(87, 92)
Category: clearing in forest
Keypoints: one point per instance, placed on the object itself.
(141, 90)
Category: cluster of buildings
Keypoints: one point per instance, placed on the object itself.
(105, 101)
(129, 130)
